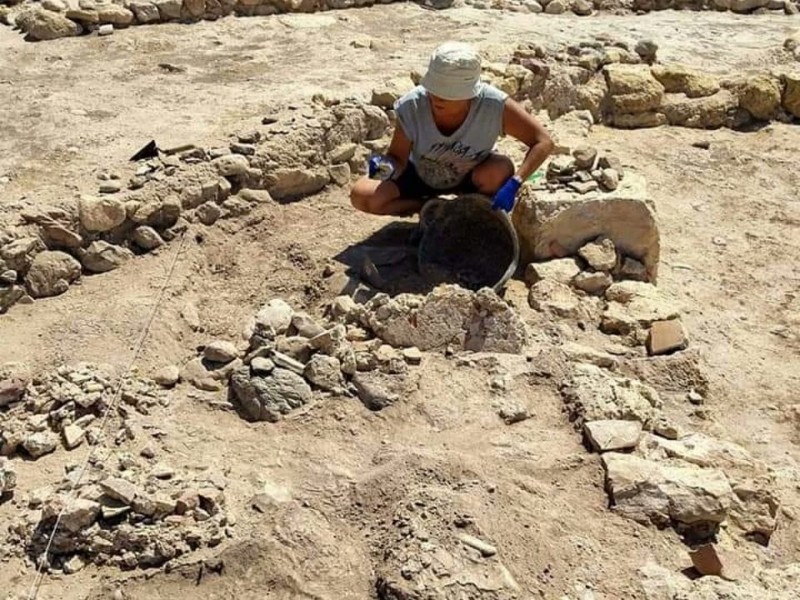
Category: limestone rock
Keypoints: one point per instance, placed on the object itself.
(638, 314)
(220, 351)
(585, 354)
(608, 435)
(747, 6)
(101, 257)
(760, 95)
(209, 213)
(195, 373)
(558, 225)
(147, 238)
(10, 296)
(305, 325)
(119, 489)
(161, 215)
(14, 379)
(601, 254)
(556, 7)
(791, 94)
(700, 113)
(77, 514)
(19, 254)
(755, 508)
(646, 491)
(289, 184)
(51, 273)
(633, 89)
(117, 15)
(557, 298)
(479, 321)
(644, 120)
(275, 314)
(101, 214)
(268, 398)
(666, 337)
(325, 372)
(8, 476)
(582, 8)
(704, 451)
(561, 270)
(678, 79)
(593, 394)
(390, 92)
(231, 165)
(593, 283)
(146, 12)
(167, 376)
(40, 443)
(41, 25)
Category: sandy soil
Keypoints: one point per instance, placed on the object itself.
(730, 230)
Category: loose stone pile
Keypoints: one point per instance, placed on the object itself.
(364, 350)
(135, 516)
(63, 409)
(137, 512)
(298, 153)
(586, 171)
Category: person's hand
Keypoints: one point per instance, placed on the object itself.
(380, 167)
(506, 195)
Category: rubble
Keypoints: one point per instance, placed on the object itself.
(60, 407)
(126, 519)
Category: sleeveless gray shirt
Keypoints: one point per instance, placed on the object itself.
(444, 161)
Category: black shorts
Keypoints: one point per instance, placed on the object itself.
(412, 187)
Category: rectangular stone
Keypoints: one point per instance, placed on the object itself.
(666, 337)
(613, 434)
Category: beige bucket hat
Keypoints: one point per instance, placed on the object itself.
(454, 72)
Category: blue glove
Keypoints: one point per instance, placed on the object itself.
(381, 167)
(506, 195)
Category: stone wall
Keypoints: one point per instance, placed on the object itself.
(52, 19)
(293, 154)
(627, 88)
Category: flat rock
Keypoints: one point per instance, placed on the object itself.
(119, 489)
(557, 298)
(593, 283)
(593, 394)
(305, 325)
(73, 436)
(195, 373)
(647, 491)
(666, 337)
(610, 435)
(77, 514)
(231, 164)
(561, 270)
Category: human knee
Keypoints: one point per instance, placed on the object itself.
(360, 195)
(492, 174)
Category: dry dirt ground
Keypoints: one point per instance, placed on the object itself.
(730, 230)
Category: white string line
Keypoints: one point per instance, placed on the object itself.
(34, 590)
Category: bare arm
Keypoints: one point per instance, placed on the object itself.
(399, 149)
(520, 125)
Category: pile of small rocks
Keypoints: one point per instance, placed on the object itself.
(584, 172)
(137, 516)
(364, 350)
(297, 154)
(63, 408)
